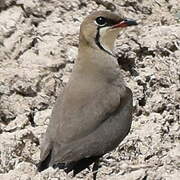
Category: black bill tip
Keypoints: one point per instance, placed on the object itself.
(130, 22)
(125, 23)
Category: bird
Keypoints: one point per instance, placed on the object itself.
(93, 114)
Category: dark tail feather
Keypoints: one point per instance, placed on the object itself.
(80, 165)
(44, 164)
(76, 167)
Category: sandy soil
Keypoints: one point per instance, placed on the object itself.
(38, 46)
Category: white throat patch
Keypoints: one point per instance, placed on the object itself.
(102, 32)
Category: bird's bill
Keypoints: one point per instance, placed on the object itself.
(125, 23)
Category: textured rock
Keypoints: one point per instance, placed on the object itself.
(38, 47)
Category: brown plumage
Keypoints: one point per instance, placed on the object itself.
(94, 112)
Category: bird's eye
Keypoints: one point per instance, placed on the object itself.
(101, 21)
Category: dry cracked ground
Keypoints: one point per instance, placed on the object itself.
(38, 47)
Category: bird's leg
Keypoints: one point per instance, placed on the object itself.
(95, 168)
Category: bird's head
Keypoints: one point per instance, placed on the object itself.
(100, 29)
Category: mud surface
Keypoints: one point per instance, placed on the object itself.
(38, 46)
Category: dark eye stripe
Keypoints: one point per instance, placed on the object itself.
(102, 21)
(111, 22)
